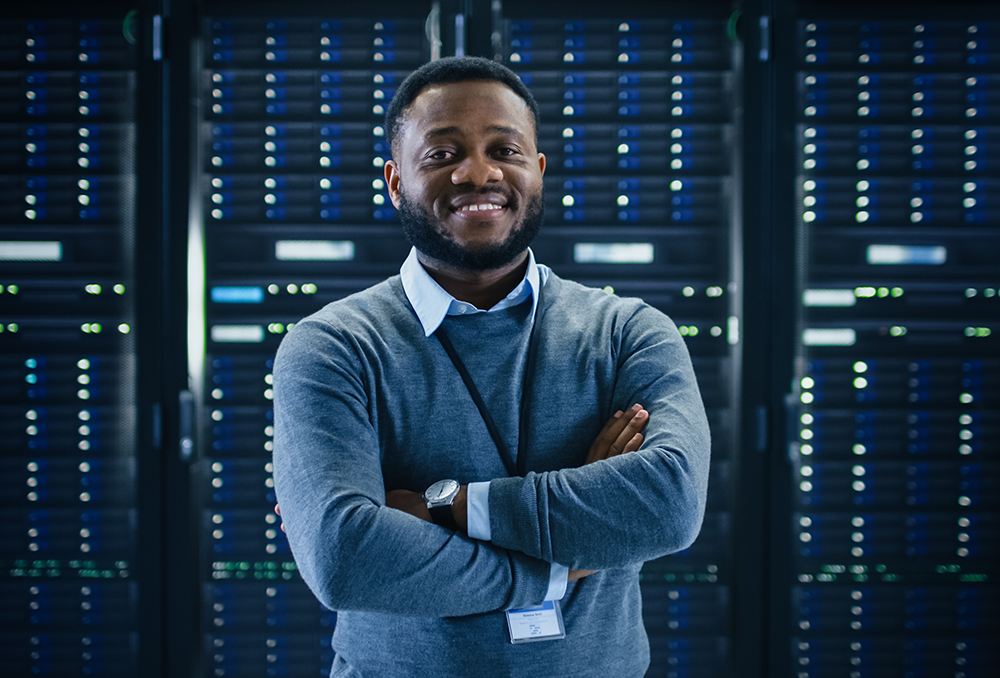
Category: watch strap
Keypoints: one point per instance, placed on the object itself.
(442, 515)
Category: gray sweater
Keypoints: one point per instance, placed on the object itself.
(364, 402)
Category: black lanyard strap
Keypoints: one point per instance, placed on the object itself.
(522, 438)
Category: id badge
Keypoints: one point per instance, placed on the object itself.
(533, 624)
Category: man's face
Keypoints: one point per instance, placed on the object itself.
(467, 179)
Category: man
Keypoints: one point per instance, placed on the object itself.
(478, 365)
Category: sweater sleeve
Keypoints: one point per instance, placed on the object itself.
(353, 551)
(630, 508)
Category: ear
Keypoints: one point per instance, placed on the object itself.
(391, 171)
(541, 163)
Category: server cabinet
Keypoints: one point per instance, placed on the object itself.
(294, 215)
(638, 125)
(893, 423)
(72, 592)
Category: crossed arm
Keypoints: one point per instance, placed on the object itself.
(621, 434)
(360, 549)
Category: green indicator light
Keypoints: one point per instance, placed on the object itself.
(974, 577)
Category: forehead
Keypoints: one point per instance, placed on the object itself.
(467, 108)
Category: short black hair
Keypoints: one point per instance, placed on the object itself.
(448, 70)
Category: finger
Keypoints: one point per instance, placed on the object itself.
(606, 432)
(633, 444)
(626, 439)
(277, 509)
(612, 431)
(616, 424)
(598, 448)
(579, 574)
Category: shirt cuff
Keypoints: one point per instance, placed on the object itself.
(477, 506)
(558, 578)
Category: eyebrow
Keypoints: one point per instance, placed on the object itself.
(496, 129)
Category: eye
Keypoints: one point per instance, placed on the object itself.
(506, 151)
(439, 155)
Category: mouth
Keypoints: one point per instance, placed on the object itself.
(480, 206)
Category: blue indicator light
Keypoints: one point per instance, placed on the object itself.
(238, 295)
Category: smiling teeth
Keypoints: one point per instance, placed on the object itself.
(480, 207)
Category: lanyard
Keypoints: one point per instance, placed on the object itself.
(522, 437)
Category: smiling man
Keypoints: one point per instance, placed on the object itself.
(463, 465)
(465, 207)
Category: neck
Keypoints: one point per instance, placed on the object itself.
(482, 289)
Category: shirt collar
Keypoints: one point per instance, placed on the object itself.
(432, 303)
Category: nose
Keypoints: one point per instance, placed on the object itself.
(478, 170)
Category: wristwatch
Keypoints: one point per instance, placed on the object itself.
(439, 497)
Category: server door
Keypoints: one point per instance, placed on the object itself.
(72, 591)
(894, 478)
(294, 215)
(639, 130)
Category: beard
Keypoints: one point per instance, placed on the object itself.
(423, 233)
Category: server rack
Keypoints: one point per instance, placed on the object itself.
(295, 215)
(638, 127)
(72, 588)
(893, 408)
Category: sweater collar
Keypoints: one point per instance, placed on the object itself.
(432, 303)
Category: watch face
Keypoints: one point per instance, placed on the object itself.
(440, 490)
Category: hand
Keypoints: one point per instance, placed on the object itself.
(414, 504)
(408, 502)
(277, 509)
(621, 435)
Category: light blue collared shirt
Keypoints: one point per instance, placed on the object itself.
(432, 304)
